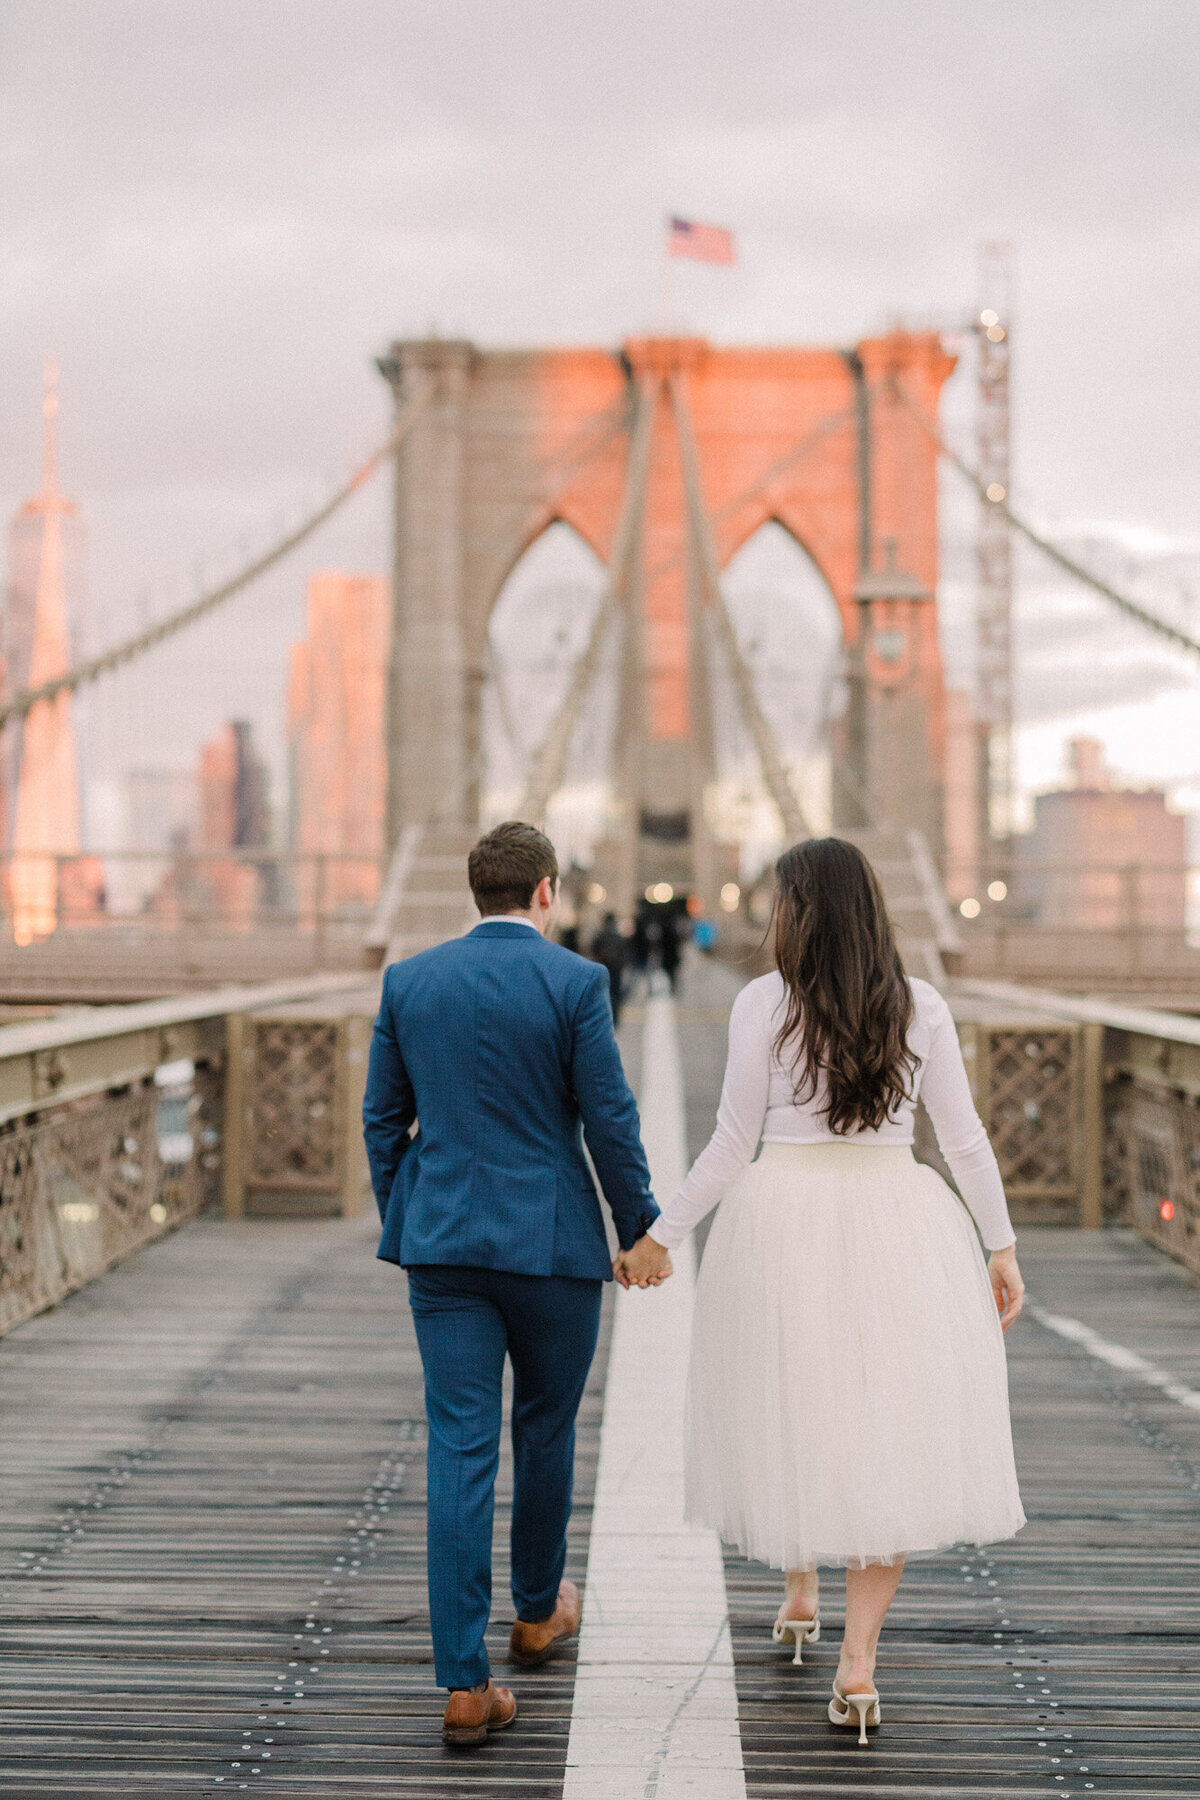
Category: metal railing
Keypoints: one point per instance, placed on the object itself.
(169, 891)
(121, 1123)
(114, 1126)
(1093, 1108)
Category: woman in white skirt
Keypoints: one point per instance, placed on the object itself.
(848, 1396)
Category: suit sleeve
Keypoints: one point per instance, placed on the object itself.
(609, 1112)
(389, 1106)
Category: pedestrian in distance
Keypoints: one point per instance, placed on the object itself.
(493, 1060)
(611, 949)
(671, 947)
(848, 1398)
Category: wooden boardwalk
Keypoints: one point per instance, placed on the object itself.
(212, 1569)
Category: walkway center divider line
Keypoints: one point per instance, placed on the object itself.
(655, 1712)
(1118, 1357)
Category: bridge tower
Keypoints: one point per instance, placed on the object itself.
(822, 441)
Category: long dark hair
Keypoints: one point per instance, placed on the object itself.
(849, 1005)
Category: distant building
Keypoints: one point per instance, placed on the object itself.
(1101, 857)
(233, 814)
(161, 809)
(49, 881)
(45, 547)
(336, 753)
(235, 811)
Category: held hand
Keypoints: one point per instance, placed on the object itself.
(1007, 1285)
(648, 1264)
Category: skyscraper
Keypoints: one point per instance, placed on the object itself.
(338, 773)
(44, 775)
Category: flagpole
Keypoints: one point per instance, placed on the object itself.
(666, 285)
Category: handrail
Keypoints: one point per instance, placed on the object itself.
(147, 1015)
(1144, 1020)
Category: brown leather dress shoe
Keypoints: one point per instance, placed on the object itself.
(473, 1712)
(532, 1644)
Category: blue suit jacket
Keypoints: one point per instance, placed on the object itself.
(501, 1045)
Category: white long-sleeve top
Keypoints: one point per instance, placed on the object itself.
(757, 1103)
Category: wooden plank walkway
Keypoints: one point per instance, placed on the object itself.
(212, 1535)
(212, 1569)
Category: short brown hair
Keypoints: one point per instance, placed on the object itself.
(506, 865)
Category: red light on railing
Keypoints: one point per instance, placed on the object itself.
(1167, 1209)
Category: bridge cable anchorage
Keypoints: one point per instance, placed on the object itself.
(548, 761)
(1131, 608)
(93, 667)
(776, 775)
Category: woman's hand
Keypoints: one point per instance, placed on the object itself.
(648, 1264)
(1007, 1285)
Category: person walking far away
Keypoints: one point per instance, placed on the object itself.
(611, 949)
(848, 1395)
(490, 1053)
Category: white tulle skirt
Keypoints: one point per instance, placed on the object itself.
(848, 1394)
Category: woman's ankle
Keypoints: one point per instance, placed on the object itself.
(801, 1601)
(856, 1674)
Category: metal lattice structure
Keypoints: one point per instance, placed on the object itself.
(293, 1107)
(293, 1137)
(84, 1184)
(1027, 1085)
(1153, 1164)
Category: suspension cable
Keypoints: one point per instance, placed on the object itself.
(108, 660)
(775, 772)
(549, 758)
(812, 441)
(1131, 608)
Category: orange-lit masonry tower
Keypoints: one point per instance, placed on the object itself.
(822, 441)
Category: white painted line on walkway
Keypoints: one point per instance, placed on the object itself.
(655, 1714)
(1118, 1357)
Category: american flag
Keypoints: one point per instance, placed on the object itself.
(703, 243)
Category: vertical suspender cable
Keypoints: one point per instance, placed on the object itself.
(549, 759)
(775, 773)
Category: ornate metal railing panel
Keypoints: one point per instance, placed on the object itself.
(1027, 1087)
(114, 1127)
(1094, 1109)
(83, 1184)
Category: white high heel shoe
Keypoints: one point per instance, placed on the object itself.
(800, 1631)
(854, 1709)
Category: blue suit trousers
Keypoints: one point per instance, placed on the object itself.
(467, 1321)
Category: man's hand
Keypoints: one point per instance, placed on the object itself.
(648, 1264)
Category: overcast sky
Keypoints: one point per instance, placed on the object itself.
(217, 214)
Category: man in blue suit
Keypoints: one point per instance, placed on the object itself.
(490, 1053)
